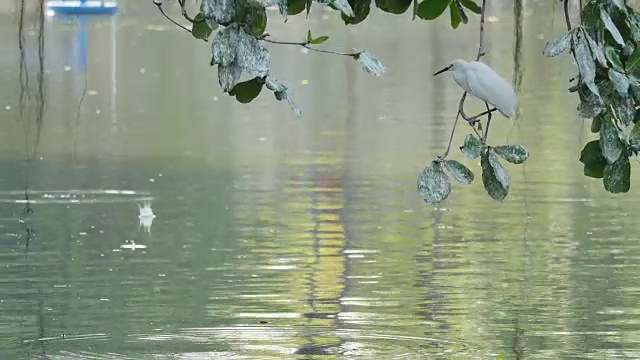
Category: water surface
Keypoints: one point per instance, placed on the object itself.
(278, 237)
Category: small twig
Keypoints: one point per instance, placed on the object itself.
(476, 131)
(184, 11)
(306, 46)
(159, 6)
(472, 120)
(481, 51)
(486, 129)
(567, 19)
(415, 10)
(453, 130)
(580, 11)
(566, 14)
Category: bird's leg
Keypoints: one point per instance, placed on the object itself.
(472, 120)
(488, 112)
(486, 130)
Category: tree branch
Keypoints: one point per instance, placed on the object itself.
(158, 4)
(481, 51)
(184, 11)
(566, 14)
(306, 45)
(444, 156)
(486, 129)
(580, 11)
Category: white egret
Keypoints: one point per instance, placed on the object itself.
(481, 81)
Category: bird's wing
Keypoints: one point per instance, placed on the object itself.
(478, 85)
(488, 86)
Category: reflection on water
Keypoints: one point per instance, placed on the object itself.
(162, 220)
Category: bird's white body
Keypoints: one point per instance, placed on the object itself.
(481, 81)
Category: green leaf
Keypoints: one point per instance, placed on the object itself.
(307, 6)
(295, 7)
(634, 26)
(459, 172)
(620, 82)
(589, 14)
(254, 17)
(628, 50)
(361, 9)
(611, 27)
(236, 52)
(395, 6)
(593, 160)
(471, 5)
(281, 92)
(584, 60)
(590, 107)
(612, 55)
(472, 147)
(633, 62)
(370, 63)
(343, 6)
(596, 124)
(283, 8)
(597, 50)
(634, 85)
(431, 9)
(617, 176)
(455, 15)
(557, 46)
(515, 154)
(319, 40)
(494, 177)
(309, 37)
(619, 4)
(634, 137)
(625, 110)
(223, 12)
(433, 184)
(248, 90)
(461, 13)
(591, 103)
(610, 143)
(200, 29)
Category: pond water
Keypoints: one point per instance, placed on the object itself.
(285, 238)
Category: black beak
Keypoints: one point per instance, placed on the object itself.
(443, 70)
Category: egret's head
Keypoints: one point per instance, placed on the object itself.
(453, 66)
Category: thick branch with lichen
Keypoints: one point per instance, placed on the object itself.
(306, 44)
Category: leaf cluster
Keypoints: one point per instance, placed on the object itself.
(237, 45)
(426, 9)
(605, 48)
(434, 185)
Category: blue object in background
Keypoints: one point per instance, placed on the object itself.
(83, 7)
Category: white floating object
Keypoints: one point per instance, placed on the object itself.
(146, 216)
(133, 246)
(145, 211)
